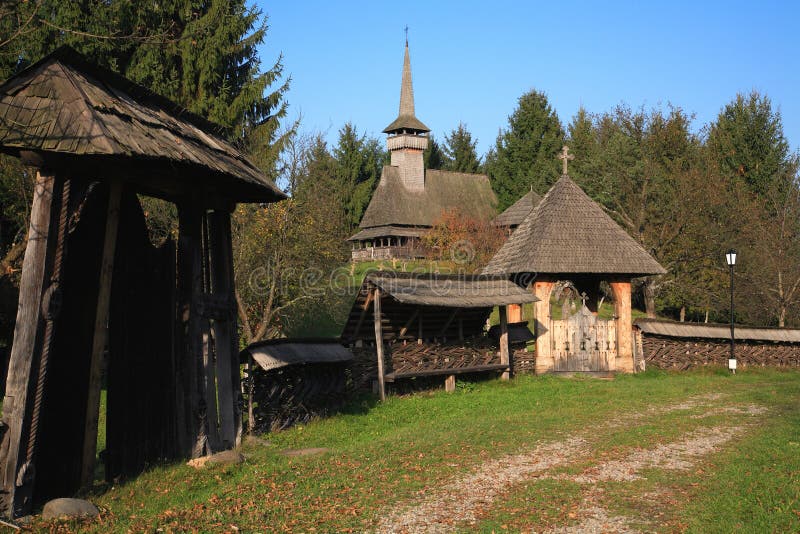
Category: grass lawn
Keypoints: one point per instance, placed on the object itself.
(391, 457)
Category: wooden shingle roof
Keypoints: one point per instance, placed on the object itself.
(664, 328)
(516, 213)
(69, 108)
(568, 232)
(406, 117)
(393, 204)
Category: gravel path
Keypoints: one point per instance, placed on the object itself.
(461, 500)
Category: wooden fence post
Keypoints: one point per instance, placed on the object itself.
(504, 352)
(379, 342)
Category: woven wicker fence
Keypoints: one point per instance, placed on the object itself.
(685, 353)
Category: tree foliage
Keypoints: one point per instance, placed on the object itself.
(524, 155)
(433, 157)
(358, 161)
(460, 152)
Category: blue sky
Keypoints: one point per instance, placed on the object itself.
(472, 60)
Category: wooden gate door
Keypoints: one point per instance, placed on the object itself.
(583, 343)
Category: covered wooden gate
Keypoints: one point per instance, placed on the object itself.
(583, 343)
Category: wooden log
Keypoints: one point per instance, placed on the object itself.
(25, 350)
(379, 342)
(408, 323)
(449, 321)
(100, 333)
(450, 383)
(504, 352)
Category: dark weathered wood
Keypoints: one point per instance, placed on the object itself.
(224, 329)
(391, 377)
(26, 347)
(504, 352)
(376, 311)
(100, 333)
(453, 315)
(409, 323)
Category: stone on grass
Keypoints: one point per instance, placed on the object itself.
(220, 458)
(69, 508)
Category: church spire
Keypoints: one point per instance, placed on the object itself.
(406, 119)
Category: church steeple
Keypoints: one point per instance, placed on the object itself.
(408, 135)
(406, 119)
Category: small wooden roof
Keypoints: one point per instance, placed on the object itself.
(717, 331)
(438, 299)
(452, 291)
(277, 353)
(77, 113)
(569, 233)
(392, 204)
(516, 213)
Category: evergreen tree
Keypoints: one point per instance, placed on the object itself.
(460, 151)
(359, 161)
(432, 157)
(747, 140)
(524, 155)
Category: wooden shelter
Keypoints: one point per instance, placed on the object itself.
(432, 325)
(409, 199)
(568, 236)
(95, 293)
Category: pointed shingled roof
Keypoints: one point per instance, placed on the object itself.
(516, 213)
(65, 105)
(406, 119)
(568, 232)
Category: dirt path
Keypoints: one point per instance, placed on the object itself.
(460, 501)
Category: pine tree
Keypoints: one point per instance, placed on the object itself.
(524, 155)
(747, 140)
(433, 157)
(359, 161)
(460, 151)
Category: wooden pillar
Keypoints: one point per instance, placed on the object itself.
(504, 352)
(544, 353)
(379, 342)
(190, 390)
(514, 313)
(100, 333)
(622, 310)
(224, 329)
(17, 468)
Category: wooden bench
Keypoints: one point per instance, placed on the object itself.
(449, 373)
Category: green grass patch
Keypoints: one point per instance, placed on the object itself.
(385, 455)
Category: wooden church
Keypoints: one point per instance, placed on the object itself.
(409, 199)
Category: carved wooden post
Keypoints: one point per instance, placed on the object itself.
(227, 359)
(100, 333)
(544, 353)
(504, 352)
(622, 310)
(514, 313)
(379, 342)
(26, 349)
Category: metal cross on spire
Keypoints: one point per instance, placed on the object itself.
(565, 156)
(406, 34)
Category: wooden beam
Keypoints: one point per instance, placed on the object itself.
(447, 323)
(379, 343)
(25, 350)
(409, 322)
(504, 352)
(100, 333)
(364, 310)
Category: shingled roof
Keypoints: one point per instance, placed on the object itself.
(72, 109)
(393, 204)
(516, 213)
(406, 118)
(568, 232)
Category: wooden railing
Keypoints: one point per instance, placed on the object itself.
(383, 253)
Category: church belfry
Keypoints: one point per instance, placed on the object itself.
(408, 136)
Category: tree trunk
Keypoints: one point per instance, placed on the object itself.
(683, 313)
(782, 316)
(649, 290)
